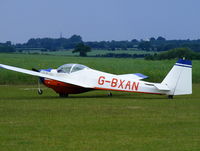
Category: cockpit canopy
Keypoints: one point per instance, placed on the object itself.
(69, 68)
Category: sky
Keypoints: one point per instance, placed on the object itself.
(97, 20)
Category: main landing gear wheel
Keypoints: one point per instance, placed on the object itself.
(63, 95)
(170, 96)
(40, 92)
(110, 94)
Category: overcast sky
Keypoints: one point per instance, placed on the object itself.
(97, 20)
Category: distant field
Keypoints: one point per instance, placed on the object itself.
(157, 70)
(95, 122)
(92, 53)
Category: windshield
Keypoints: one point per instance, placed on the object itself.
(69, 68)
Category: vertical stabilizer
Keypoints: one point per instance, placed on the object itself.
(179, 79)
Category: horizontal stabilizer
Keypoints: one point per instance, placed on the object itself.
(162, 87)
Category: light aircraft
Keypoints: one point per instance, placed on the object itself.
(77, 78)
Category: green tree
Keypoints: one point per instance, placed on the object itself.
(145, 45)
(6, 48)
(82, 49)
(175, 54)
(161, 38)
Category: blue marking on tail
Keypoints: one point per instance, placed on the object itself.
(185, 62)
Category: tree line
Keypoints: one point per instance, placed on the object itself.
(175, 53)
(54, 44)
(7, 47)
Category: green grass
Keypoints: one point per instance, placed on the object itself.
(93, 121)
(157, 70)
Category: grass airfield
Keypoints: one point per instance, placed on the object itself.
(93, 121)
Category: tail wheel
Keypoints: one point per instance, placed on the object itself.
(63, 95)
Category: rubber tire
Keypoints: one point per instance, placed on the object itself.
(63, 95)
(40, 92)
(110, 94)
(170, 96)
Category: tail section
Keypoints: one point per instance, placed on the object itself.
(179, 79)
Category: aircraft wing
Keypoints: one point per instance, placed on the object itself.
(58, 78)
(135, 76)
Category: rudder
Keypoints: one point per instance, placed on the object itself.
(179, 79)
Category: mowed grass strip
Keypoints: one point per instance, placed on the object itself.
(94, 121)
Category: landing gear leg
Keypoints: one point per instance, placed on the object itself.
(40, 92)
(63, 95)
(170, 96)
(110, 94)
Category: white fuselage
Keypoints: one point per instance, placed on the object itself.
(106, 81)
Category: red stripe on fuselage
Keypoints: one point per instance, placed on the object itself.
(61, 87)
(98, 88)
